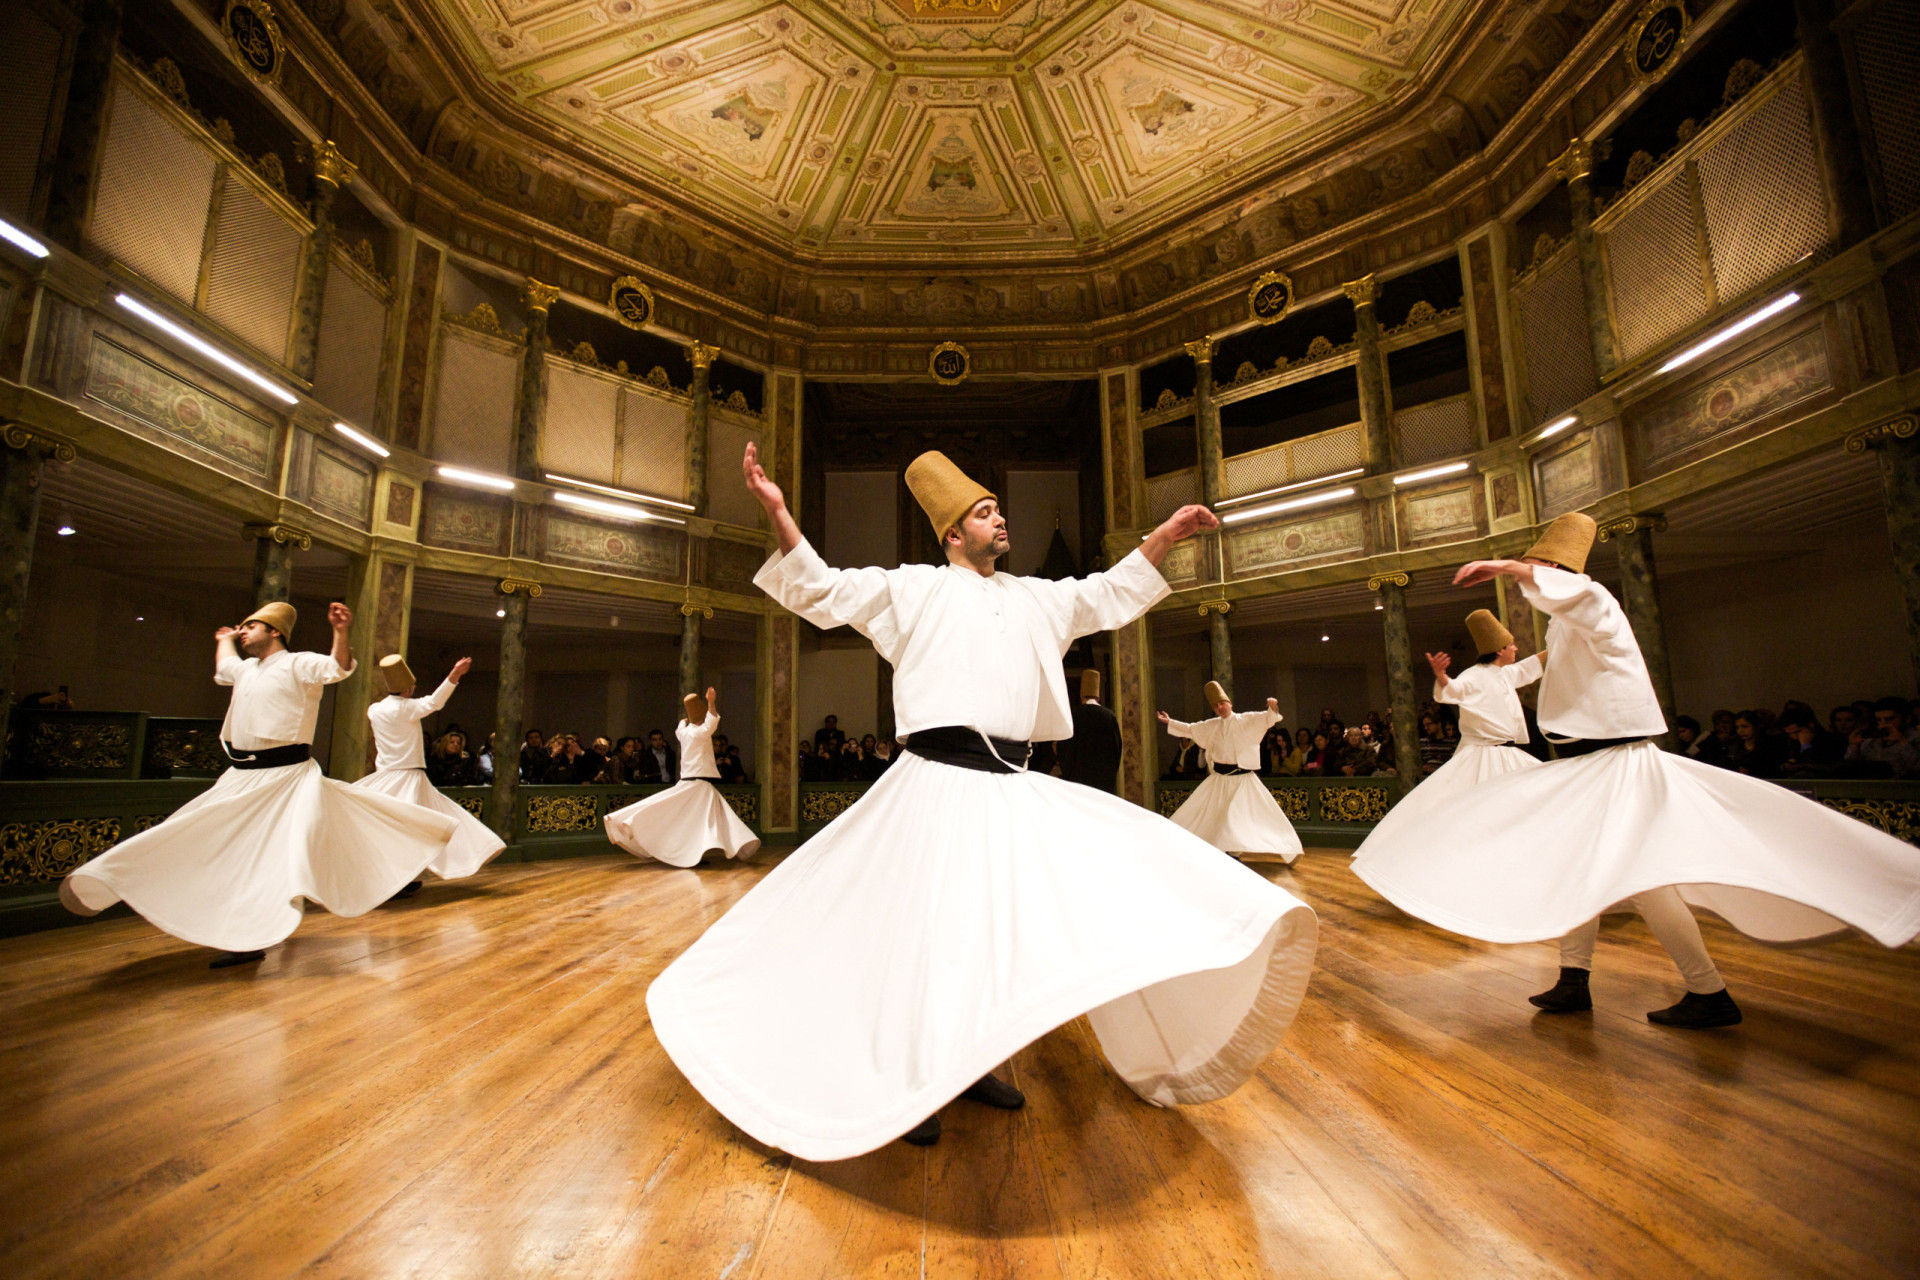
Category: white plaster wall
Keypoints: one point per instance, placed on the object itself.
(844, 682)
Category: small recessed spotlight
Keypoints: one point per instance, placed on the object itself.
(499, 613)
(1378, 607)
(65, 531)
(613, 620)
(141, 618)
(1325, 638)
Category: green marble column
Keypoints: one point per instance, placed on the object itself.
(1405, 711)
(1575, 166)
(1632, 539)
(690, 619)
(23, 464)
(273, 548)
(702, 356)
(1206, 418)
(1841, 150)
(1376, 414)
(331, 171)
(511, 704)
(1898, 444)
(538, 298)
(83, 122)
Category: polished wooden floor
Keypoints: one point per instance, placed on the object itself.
(467, 1085)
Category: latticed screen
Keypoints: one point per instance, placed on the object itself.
(1653, 265)
(1167, 494)
(473, 404)
(577, 438)
(1553, 331)
(1327, 452)
(1267, 468)
(150, 211)
(1887, 48)
(1320, 454)
(1435, 430)
(1765, 200)
(353, 328)
(254, 269)
(653, 454)
(727, 497)
(29, 58)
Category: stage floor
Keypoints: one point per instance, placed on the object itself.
(466, 1085)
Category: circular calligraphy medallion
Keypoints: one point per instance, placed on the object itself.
(632, 302)
(254, 36)
(949, 364)
(1656, 38)
(1270, 298)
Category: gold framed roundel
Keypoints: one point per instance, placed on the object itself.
(632, 302)
(1270, 298)
(253, 33)
(1656, 38)
(949, 364)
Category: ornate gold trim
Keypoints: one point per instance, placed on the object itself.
(1221, 607)
(1261, 282)
(701, 354)
(1363, 292)
(633, 284)
(934, 362)
(1397, 577)
(1900, 428)
(331, 166)
(482, 319)
(537, 296)
(510, 585)
(1201, 349)
(19, 437)
(1632, 524)
(281, 533)
(1573, 163)
(688, 609)
(263, 27)
(1631, 44)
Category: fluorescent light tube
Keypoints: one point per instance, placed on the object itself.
(620, 493)
(1289, 488)
(15, 236)
(1412, 477)
(1311, 500)
(365, 441)
(618, 510)
(1555, 427)
(1732, 331)
(206, 349)
(460, 475)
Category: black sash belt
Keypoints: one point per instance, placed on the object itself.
(1587, 746)
(272, 757)
(1230, 770)
(964, 748)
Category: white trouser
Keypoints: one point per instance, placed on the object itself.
(1672, 923)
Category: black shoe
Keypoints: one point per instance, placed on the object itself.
(228, 959)
(1696, 1012)
(1569, 995)
(995, 1093)
(924, 1134)
(412, 888)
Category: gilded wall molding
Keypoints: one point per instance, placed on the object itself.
(537, 296)
(701, 354)
(1201, 349)
(1363, 292)
(331, 166)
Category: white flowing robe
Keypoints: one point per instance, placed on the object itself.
(1235, 812)
(1533, 854)
(400, 771)
(952, 916)
(678, 825)
(233, 868)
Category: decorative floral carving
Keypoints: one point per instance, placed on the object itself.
(823, 806)
(483, 318)
(223, 130)
(1291, 799)
(1167, 399)
(1639, 165)
(547, 814)
(1687, 129)
(1421, 312)
(362, 254)
(166, 74)
(36, 852)
(1245, 373)
(56, 744)
(745, 805)
(1320, 348)
(273, 169)
(737, 400)
(657, 376)
(1353, 804)
(583, 353)
(1741, 78)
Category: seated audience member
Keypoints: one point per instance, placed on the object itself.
(871, 765)
(829, 733)
(1355, 760)
(1383, 762)
(1435, 749)
(1715, 746)
(666, 760)
(1274, 745)
(1843, 721)
(1809, 750)
(624, 766)
(886, 752)
(1294, 763)
(727, 760)
(1886, 748)
(823, 765)
(572, 764)
(1752, 751)
(1328, 722)
(1686, 732)
(483, 763)
(534, 758)
(448, 764)
(1319, 757)
(45, 700)
(1186, 764)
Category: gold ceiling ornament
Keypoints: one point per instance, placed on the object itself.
(1575, 162)
(1398, 578)
(18, 437)
(1363, 292)
(1221, 607)
(701, 354)
(1901, 428)
(508, 586)
(1653, 523)
(689, 609)
(961, 6)
(632, 302)
(1656, 39)
(1201, 349)
(253, 35)
(537, 296)
(1270, 297)
(949, 364)
(331, 166)
(281, 533)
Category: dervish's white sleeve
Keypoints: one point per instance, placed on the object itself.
(1445, 691)
(799, 580)
(229, 670)
(1578, 601)
(320, 668)
(1110, 600)
(1525, 671)
(705, 728)
(1207, 733)
(421, 708)
(1179, 728)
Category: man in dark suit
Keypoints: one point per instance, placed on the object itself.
(660, 756)
(1091, 756)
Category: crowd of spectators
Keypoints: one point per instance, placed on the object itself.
(1864, 739)
(836, 757)
(562, 759)
(1331, 748)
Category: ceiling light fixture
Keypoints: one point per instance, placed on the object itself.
(206, 349)
(1732, 331)
(65, 531)
(618, 510)
(629, 494)
(1311, 500)
(364, 440)
(1289, 488)
(20, 239)
(1414, 477)
(479, 479)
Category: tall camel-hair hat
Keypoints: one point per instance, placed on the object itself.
(398, 674)
(1216, 694)
(1566, 542)
(1089, 684)
(279, 615)
(1488, 635)
(943, 490)
(695, 707)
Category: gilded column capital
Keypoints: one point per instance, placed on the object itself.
(537, 296)
(701, 354)
(1362, 292)
(508, 586)
(1652, 522)
(1900, 428)
(1398, 578)
(1201, 349)
(1575, 162)
(282, 533)
(689, 609)
(19, 437)
(1222, 607)
(331, 166)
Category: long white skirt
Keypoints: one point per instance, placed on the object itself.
(1533, 854)
(1237, 813)
(472, 846)
(951, 917)
(233, 867)
(1407, 823)
(680, 824)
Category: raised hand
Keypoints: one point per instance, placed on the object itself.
(1440, 662)
(339, 617)
(460, 668)
(1189, 520)
(713, 700)
(226, 633)
(764, 490)
(1273, 705)
(1161, 717)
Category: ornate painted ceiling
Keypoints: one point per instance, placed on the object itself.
(868, 130)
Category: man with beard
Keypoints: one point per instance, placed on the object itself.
(232, 868)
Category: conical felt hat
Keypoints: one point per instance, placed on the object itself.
(695, 706)
(279, 615)
(1089, 684)
(1566, 542)
(1488, 635)
(1216, 694)
(399, 675)
(944, 491)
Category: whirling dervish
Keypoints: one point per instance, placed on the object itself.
(400, 767)
(1542, 852)
(680, 825)
(231, 869)
(1231, 809)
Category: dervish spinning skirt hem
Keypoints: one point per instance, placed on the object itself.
(232, 868)
(1236, 813)
(677, 826)
(952, 917)
(1533, 854)
(1470, 764)
(472, 846)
